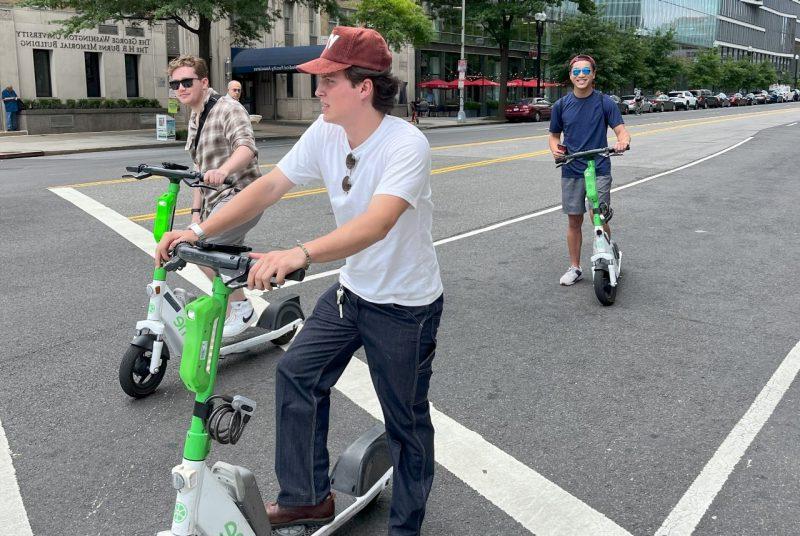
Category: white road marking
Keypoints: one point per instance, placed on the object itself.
(536, 503)
(13, 517)
(791, 124)
(687, 514)
(529, 498)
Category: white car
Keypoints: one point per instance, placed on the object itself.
(683, 99)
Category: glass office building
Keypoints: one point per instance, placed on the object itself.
(765, 30)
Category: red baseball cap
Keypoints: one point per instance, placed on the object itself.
(348, 47)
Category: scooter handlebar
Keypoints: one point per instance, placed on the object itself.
(605, 151)
(172, 171)
(233, 268)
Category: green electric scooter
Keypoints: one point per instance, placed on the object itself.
(161, 335)
(606, 256)
(224, 500)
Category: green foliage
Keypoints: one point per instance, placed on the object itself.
(471, 105)
(492, 104)
(400, 22)
(586, 34)
(706, 70)
(181, 134)
(765, 74)
(732, 74)
(660, 67)
(71, 103)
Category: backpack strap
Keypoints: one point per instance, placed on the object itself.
(212, 100)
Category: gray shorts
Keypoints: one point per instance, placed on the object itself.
(235, 236)
(573, 193)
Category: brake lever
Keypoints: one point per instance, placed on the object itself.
(174, 264)
(138, 176)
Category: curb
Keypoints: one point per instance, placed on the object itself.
(21, 154)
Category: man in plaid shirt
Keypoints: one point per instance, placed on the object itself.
(225, 149)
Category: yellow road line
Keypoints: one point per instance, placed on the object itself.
(124, 180)
(186, 211)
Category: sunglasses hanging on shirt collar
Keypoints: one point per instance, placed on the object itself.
(350, 163)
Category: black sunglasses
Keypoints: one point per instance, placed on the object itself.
(350, 162)
(186, 83)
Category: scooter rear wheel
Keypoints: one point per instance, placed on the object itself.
(289, 312)
(606, 294)
(134, 371)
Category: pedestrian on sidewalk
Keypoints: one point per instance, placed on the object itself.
(11, 102)
(235, 90)
(376, 169)
(414, 111)
(221, 143)
(583, 116)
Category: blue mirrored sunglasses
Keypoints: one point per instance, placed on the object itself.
(585, 70)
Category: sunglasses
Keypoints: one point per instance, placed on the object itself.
(350, 162)
(585, 70)
(186, 83)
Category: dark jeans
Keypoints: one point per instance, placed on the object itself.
(400, 344)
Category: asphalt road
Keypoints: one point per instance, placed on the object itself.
(620, 407)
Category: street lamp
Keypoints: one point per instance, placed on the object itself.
(462, 67)
(540, 18)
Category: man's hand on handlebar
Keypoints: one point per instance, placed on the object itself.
(621, 147)
(275, 264)
(560, 150)
(169, 241)
(215, 177)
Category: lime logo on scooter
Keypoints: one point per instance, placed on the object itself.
(180, 324)
(231, 529)
(151, 308)
(180, 512)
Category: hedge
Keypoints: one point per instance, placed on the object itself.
(85, 104)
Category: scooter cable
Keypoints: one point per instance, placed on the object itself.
(227, 417)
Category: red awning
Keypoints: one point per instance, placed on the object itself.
(478, 82)
(435, 84)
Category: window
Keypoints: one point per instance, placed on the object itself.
(290, 85)
(132, 74)
(288, 24)
(312, 27)
(92, 64)
(313, 85)
(134, 31)
(108, 29)
(41, 70)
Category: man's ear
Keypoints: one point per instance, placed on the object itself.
(367, 87)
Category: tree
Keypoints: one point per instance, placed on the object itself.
(497, 17)
(400, 22)
(706, 70)
(661, 65)
(586, 34)
(765, 74)
(249, 19)
(732, 75)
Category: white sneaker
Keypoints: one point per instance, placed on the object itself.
(573, 275)
(239, 318)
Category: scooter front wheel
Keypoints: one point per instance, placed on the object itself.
(134, 371)
(606, 294)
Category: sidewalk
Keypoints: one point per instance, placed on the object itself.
(22, 146)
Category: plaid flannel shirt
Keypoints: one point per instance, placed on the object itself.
(226, 128)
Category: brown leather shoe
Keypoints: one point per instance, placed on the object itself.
(286, 516)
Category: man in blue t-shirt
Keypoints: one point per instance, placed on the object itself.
(583, 116)
(11, 103)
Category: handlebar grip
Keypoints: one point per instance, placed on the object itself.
(297, 275)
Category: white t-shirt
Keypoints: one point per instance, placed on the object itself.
(395, 160)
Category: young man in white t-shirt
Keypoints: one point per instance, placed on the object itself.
(376, 169)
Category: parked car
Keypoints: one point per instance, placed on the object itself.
(737, 99)
(630, 100)
(661, 103)
(679, 99)
(750, 98)
(534, 109)
(689, 100)
(724, 100)
(775, 96)
(795, 93)
(623, 108)
(705, 99)
(762, 97)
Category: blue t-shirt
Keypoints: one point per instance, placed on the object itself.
(13, 105)
(585, 123)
